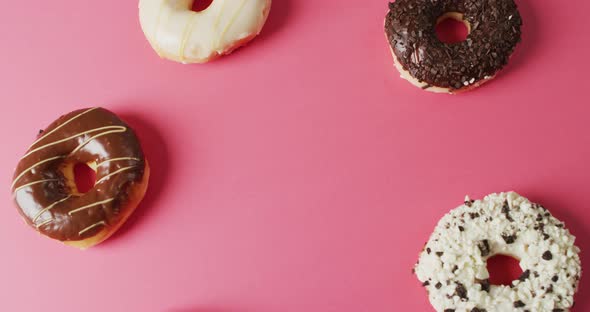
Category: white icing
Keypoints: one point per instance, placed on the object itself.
(459, 248)
(42, 211)
(101, 223)
(46, 134)
(32, 167)
(116, 129)
(108, 176)
(106, 201)
(178, 33)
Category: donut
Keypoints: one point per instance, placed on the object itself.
(45, 191)
(426, 62)
(452, 266)
(178, 33)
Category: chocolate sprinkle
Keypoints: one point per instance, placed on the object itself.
(461, 291)
(485, 285)
(509, 239)
(506, 211)
(549, 289)
(524, 276)
(484, 247)
(518, 304)
(495, 31)
(547, 255)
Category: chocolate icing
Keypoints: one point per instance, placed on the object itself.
(45, 198)
(495, 31)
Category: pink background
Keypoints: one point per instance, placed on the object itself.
(298, 174)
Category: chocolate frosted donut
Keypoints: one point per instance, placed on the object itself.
(46, 193)
(493, 32)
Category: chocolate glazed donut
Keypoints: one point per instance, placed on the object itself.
(45, 190)
(493, 32)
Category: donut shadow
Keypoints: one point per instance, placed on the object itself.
(578, 228)
(278, 18)
(157, 155)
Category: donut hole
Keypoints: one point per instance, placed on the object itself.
(503, 270)
(84, 177)
(200, 5)
(452, 28)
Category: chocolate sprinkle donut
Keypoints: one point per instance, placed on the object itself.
(494, 30)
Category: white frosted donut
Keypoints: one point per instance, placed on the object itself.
(452, 266)
(177, 33)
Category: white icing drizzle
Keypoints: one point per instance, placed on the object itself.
(33, 183)
(113, 173)
(62, 125)
(91, 227)
(33, 166)
(118, 129)
(217, 19)
(157, 26)
(106, 201)
(220, 12)
(43, 223)
(38, 215)
(71, 137)
(230, 23)
(186, 34)
(117, 159)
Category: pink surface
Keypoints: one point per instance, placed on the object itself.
(300, 173)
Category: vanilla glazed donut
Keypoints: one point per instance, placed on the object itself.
(45, 191)
(177, 33)
(452, 266)
(494, 29)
